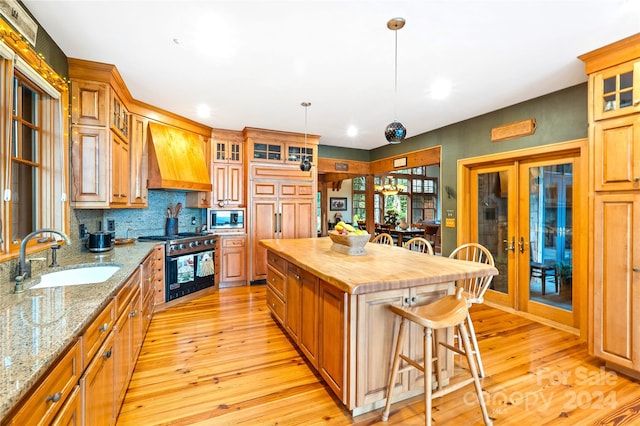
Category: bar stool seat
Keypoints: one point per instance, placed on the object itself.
(450, 311)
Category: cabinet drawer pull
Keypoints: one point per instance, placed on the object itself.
(297, 277)
(104, 327)
(107, 355)
(54, 398)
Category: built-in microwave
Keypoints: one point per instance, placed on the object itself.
(225, 220)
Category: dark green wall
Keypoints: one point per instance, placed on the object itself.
(560, 116)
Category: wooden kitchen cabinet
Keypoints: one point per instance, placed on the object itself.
(128, 336)
(376, 328)
(301, 318)
(120, 172)
(120, 120)
(97, 387)
(281, 198)
(228, 184)
(228, 170)
(49, 398)
(90, 167)
(617, 153)
(89, 103)
(614, 273)
(233, 265)
(280, 209)
(71, 412)
(616, 91)
(139, 169)
(616, 289)
(277, 270)
(332, 338)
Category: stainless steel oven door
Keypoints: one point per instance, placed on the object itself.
(188, 273)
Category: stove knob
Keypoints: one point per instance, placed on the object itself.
(192, 244)
(206, 242)
(197, 243)
(182, 247)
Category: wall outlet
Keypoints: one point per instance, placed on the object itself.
(111, 225)
(82, 231)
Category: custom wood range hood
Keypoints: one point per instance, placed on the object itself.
(176, 160)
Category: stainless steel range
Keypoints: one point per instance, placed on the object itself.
(189, 262)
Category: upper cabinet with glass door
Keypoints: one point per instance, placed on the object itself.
(616, 91)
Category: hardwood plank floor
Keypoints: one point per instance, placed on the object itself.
(221, 360)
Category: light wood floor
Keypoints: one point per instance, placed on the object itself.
(221, 360)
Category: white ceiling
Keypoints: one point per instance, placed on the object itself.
(254, 62)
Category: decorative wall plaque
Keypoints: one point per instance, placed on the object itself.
(342, 167)
(514, 130)
(400, 162)
(15, 14)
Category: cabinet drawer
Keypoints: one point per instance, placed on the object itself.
(97, 332)
(233, 242)
(125, 293)
(276, 280)
(278, 263)
(50, 396)
(276, 305)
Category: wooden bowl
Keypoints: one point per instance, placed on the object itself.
(353, 245)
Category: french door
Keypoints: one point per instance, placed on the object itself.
(524, 210)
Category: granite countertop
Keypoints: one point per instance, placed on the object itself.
(383, 267)
(37, 325)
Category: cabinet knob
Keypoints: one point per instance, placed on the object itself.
(636, 179)
(54, 398)
(107, 355)
(104, 327)
(636, 269)
(134, 313)
(636, 102)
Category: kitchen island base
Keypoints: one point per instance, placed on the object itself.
(336, 310)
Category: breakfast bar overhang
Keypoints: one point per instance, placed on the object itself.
(335, 308)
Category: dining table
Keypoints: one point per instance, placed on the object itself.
(402, 235)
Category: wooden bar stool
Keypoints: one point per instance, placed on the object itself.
(450, 311)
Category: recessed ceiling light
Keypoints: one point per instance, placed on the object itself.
(203, 111)
(352, 131)
(440, 89)
(176, 40)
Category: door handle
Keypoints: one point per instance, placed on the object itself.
(512, 246)
(521, 244)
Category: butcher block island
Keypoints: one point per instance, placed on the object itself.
(335, 308)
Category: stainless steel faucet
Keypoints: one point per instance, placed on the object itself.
(24, 270)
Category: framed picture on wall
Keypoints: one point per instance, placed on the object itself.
(337, 204)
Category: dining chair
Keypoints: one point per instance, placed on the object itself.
(449, 311)
(383, 238)
(474, 288)
(419, 244)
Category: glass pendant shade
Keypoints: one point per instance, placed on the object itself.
(395, 132)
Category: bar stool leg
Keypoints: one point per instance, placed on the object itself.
(436, 356)
(462, 330)
(394, 369)
(428, 374)
(474, 341)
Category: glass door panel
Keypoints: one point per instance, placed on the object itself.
(546, 244)
(493, 215)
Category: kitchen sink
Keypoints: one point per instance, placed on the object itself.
(77, 276)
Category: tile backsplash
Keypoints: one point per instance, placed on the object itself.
(137, 222)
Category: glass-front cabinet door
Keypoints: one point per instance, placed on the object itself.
(617, 91)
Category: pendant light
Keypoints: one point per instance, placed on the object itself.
(395, 132)
(305, 164)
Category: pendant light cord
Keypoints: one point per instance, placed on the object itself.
(395, 86)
